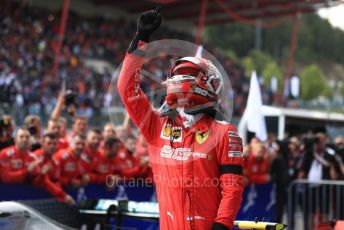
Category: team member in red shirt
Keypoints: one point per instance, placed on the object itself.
(141, 153)
(128, 164)
(257, 165)
(188, 146)
(54, 126)
(79, 126)
(17, 162)
(47, 175)
(107, 165)
(90, 156)
(70, 162)
(108, 130)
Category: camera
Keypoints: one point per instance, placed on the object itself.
(70, 102)
(32, 130)
(70, 98)
(4, 124)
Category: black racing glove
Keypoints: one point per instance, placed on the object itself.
(218, 226)
(148, 22)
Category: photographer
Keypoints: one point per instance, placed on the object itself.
(7, 127)
(284, 169)
(318, 164)
(33, 124)
(54, 126)
(339, 146)
(65, 99)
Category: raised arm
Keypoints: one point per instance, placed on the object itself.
(136, 102)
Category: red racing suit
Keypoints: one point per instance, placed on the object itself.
(197, 171)
(13, 165)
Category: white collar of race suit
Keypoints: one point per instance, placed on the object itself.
(189, 120)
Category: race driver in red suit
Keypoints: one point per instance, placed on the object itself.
(197, 160)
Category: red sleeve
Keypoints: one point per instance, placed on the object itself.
(131, 172)
(136, 102)
(231, 164)
(53, 188)
(14, 176)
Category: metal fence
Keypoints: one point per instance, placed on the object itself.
(312, 203)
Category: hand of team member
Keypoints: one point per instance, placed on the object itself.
(69, 200)
(32, 166)
(85, 180)
(46, 169)
(144, 161)
(148, 22)
(75, 183)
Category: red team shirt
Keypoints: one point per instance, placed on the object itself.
(51, 180)
(198, 175)
(257, 171)
(123, 165)
(14, 165)
(71, 165)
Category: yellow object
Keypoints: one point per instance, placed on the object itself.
(242, 224)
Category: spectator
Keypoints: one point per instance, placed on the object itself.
(141, 153)
(339, 145)
(106, 164)
(257, 165)
(54, 126)
(33, 124)
(69, 161)
(318, 165)
(284, 169)
(63, 128)
(127, 162)
(93, 140)
(91, 154)
(7, 127)
(47, 175)
(294, 158)
(17, 163)
(108, 130)
(79, 125)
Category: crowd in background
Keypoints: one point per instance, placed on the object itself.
(28, 42)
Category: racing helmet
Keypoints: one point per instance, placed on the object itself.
(193, 82)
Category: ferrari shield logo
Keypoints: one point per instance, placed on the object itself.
(201, 137)
(176, 132)
(172, 132)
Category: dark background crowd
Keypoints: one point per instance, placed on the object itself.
(28, 44)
